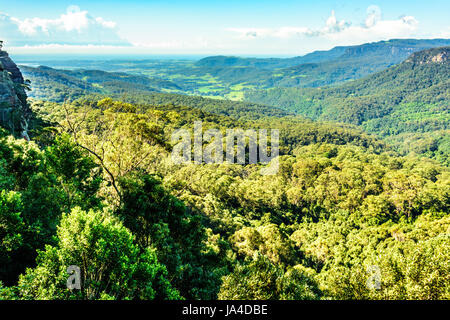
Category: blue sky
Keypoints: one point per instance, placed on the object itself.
(248, 27)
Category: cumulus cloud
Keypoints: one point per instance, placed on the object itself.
(284, 32)
(333, 25)
(75, 27)
(373, 16)
(373, 28)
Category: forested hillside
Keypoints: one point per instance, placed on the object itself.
(230, 77)
(316, 69)
(58, 85)
(64, 85)
(406, 104)
(409, 101)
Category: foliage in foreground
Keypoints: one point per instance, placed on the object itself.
(339, 205)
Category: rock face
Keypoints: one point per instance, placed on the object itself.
(436, 56)
(14, 109)
(379, 49)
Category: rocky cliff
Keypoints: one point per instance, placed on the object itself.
(14, 109)
(431, 56)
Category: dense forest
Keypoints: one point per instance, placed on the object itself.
(95, 187)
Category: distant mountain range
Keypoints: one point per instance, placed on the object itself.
(395, 50)
(56, 85)
(424, 77)
(410, 99)
(226, 77)
(366, 85)
(318, 68)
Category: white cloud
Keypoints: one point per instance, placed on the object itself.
(78, 31)
(75, 27)
(282, 33)
(373, 16)
(373, 28)
(404, 27)
(333, 25)
(106, 24)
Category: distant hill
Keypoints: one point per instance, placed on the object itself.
(318, 68)
(56, 85)
(423, 77)
(411, 98)
(396, 50)
(271, 63)
(406, 104)
(228, 77)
